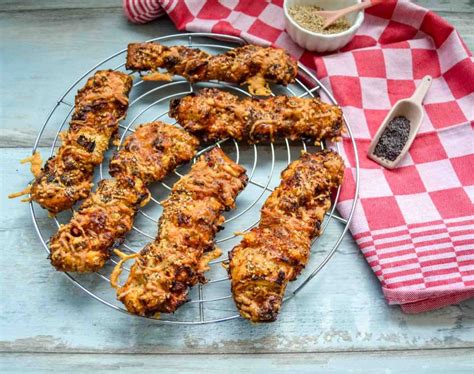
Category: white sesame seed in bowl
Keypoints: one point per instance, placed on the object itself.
(320, 41)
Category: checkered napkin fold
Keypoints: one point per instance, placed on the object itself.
(414, 224)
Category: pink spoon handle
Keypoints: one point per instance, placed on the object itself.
(360, 6)
(352, 8)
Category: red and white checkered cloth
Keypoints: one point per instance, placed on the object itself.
(415, 224)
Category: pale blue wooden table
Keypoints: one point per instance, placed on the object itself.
(47, 324)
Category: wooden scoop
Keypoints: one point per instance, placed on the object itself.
(332, 16)
(410, 108)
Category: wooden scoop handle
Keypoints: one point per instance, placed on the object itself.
(421, 90)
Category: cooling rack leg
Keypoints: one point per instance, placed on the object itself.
(201, 304)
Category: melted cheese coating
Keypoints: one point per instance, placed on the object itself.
(157, 76)
(215, 115)
(35, 161)
(67, 176)
(160, 278)
(148, 155)
(253, 64)
(275, 252)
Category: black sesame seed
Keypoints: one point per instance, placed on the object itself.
(393, 138)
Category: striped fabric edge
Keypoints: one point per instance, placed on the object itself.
(420, 261)
(436, 303)
(407, 296)
(142, 11)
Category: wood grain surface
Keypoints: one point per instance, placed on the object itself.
(408, 362)
(47, 324)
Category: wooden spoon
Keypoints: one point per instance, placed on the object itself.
(410, 108)
(332, 16)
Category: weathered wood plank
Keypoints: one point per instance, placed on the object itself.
(458, 6)
(48, 49)
(431, 361)
(341, 310)
(16, 5)
(29, 5)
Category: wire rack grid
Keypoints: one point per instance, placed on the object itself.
(210, 302)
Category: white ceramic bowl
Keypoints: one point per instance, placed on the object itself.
(317, 42)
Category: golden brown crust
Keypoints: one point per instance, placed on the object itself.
(213, 115)
(83, 245)
(149, 154)
(67, 176)
(275, 252)
(239, 65)
(166, 268)
(153, 151)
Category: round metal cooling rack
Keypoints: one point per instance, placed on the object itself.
(210, 302)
